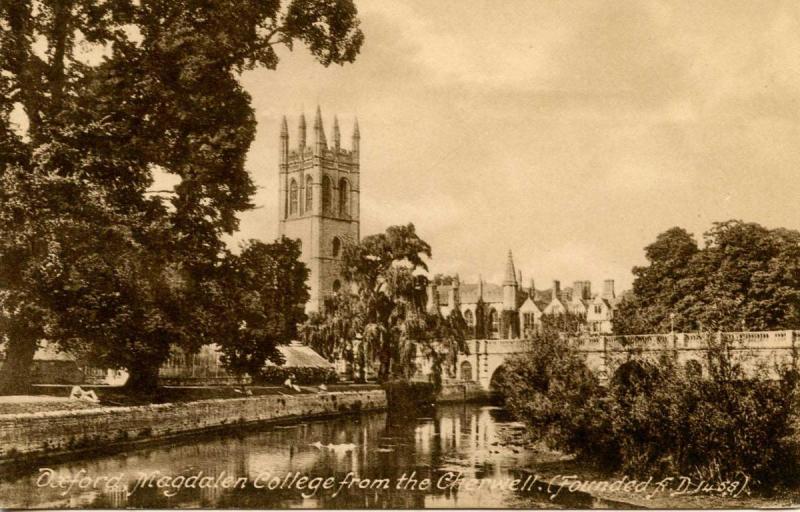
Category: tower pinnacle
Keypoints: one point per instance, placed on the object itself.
(319, 133)
(301, 131)
(337, 138)
(356, 140)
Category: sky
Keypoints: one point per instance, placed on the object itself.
(571, 133)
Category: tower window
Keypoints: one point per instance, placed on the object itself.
(336, 285)
(293, 198)
(337, 246)
(309, 194)
(326, 194)
(344, 198)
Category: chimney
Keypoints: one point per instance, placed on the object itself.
(587, 289)
(556, 289)
(578, 291)
(532, 290)
(608, 289)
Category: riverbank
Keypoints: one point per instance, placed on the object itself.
(30, 436)
(561, 476)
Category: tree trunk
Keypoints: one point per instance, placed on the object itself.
(15, 373)
(142, 379)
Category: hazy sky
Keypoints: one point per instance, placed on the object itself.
(570, 132)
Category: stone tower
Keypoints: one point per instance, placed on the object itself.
(319, 202)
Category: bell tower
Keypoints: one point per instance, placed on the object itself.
(319, 202)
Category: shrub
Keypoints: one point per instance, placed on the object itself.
(277, 375)
(655, 418)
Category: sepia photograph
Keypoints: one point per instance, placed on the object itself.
(399, 254)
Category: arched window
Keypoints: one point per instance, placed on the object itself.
(309, 194)
(468, 318)
(466, 371)
(326, 194)
(344, 198)
(293, 197)
(337, 246)
(336, 285)
(494, 323)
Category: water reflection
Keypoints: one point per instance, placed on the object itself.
(458, 438)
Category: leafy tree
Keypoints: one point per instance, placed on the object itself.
(266, 292)
(746, 277)
(165, 97)
(391, 296)
(659, 287)
(550, 388)
(334, 331)
(386, 305)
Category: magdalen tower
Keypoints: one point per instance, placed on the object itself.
(319, 201)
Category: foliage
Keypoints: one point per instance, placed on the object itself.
(332, 333)
(277, 375)
(656, 418)
(114, 93)
(550, 388)
(265, 288)
(385, 305)
(745, 278)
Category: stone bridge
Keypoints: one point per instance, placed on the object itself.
(605, 354)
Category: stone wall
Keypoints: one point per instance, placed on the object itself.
(65, 431)
(461, 392)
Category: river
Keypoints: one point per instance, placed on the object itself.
(238, 470)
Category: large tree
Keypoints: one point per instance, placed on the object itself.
(746, 277)
(385, 304)
(157, 91)
(265, 286)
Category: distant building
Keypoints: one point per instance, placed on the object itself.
(511, 310)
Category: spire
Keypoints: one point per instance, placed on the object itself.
(480, 287)
(284, 128)
(356, 140)
(301, 131)
(337, 138)
(511, 278)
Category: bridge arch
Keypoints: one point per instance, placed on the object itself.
(496, 378)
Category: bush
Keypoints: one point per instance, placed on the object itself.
(277, 375)
(655, 418)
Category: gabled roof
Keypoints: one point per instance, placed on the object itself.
(298, 355)
(468, 293)
(530, 305)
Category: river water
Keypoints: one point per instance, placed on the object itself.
(461, 444)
